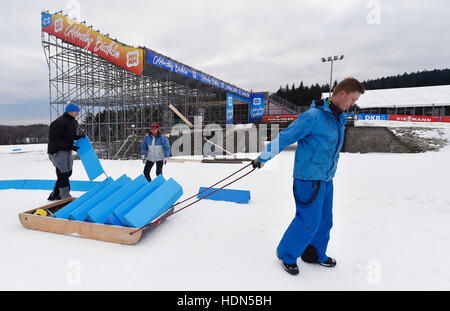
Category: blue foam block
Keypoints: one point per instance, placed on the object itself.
(81, 211)
(113, 220)
(100, 212)
(89, 158)
(231, 195)
(117, 217)
(157, 203)
(82, 185)
(66, 210)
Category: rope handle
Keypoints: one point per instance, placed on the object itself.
(167, 214)
(212, 185)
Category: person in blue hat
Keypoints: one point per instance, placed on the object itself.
(319, 134)
(61, 137)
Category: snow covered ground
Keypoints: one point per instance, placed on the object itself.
(391, 230)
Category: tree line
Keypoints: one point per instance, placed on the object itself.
(303, 95)
(24, 134)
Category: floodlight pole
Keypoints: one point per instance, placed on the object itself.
(331, 77)
(331, 59)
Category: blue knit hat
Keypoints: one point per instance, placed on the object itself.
(72, 107)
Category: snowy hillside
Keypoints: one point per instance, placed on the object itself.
(391, 230)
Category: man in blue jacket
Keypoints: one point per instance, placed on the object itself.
(319, 133)
(155, 148)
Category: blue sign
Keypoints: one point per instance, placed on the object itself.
(256, 110)
(230, 103)
(230, 100)
(46, 20)
(368, 116)
(171, 65)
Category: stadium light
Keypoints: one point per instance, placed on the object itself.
(332, 59)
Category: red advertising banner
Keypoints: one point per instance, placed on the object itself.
(406, 118)
(80, 35)
(279, 118)
(445, 119)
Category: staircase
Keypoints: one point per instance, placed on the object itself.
(130, 147)
(279, 106)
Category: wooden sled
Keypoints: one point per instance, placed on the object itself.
(101, 232)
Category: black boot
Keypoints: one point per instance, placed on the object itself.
(331, 262)
(54, 195)
(310, 255)
(290, 268)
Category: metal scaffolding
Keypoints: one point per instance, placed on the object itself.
(118, 106)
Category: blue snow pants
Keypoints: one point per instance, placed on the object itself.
(312, 222)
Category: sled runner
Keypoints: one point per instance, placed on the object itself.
(101, 232)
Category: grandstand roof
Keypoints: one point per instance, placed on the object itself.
(405, 97)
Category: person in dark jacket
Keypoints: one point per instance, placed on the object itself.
(155, 148)
(319, 133)
(61, 137)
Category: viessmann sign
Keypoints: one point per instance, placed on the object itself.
(67, 29)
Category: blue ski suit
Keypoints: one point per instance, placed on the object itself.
(319, 135)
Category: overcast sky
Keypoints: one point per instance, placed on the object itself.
(256, 45)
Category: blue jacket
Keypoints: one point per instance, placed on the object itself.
(158, 147)
(319, 136)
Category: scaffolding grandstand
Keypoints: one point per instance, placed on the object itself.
(122, 89)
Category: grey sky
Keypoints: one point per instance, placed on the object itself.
(255, 45)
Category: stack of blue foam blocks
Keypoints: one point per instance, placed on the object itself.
(124, 202)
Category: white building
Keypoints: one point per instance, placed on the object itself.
(425, 101)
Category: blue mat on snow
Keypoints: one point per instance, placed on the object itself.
(231, 195)
(39, 184)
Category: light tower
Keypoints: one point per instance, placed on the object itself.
(332, 59)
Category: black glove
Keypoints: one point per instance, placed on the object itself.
(75, 148)
(80, 136)
(256, 164)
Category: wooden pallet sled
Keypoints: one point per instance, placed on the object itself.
(101, 232)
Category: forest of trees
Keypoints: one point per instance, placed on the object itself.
(23, 134)
(303, 95)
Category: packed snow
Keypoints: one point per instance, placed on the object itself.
(391, 229)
